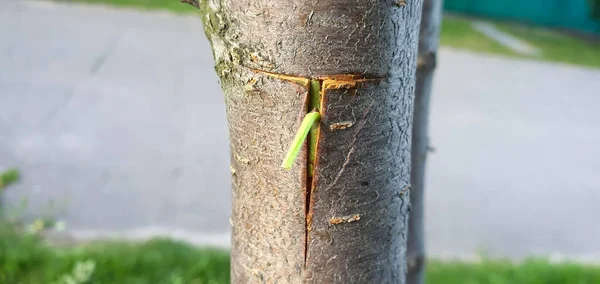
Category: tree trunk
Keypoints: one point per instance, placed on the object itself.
(340, 215)
(428, 45)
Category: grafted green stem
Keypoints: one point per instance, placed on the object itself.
(314, 103)
(309, 120)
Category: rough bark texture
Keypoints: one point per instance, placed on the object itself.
(428, 45)
(346, 220)
(361, 171)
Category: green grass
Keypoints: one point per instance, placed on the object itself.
(26, 259)
(534, 271)
(556, 46)
(171, 5)
(9, 177)
(458, 33)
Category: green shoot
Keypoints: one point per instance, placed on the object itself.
(314, 102)
(307, 123)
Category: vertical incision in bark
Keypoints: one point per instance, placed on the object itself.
(314, 103)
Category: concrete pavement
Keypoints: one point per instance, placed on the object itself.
(116, 116)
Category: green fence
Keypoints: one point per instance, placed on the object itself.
(568, 14)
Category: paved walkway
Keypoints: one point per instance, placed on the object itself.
(116, 117)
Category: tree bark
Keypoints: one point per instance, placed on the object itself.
(428, 45)
(339, 215)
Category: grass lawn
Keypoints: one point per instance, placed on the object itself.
(556, 46)
(172, 5)
(26, 259)
(458, 33)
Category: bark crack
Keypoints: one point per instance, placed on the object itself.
(314, 103)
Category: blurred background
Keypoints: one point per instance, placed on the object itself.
(111, 112)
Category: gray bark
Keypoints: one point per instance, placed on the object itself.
(428, 45)
(346, 220)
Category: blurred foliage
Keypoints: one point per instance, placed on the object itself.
(595, 9)
(81, 274)
(9, 177)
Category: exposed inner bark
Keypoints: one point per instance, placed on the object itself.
(314, 102)
(340, 215)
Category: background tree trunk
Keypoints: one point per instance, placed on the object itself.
(428, 45)
(341, 214)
